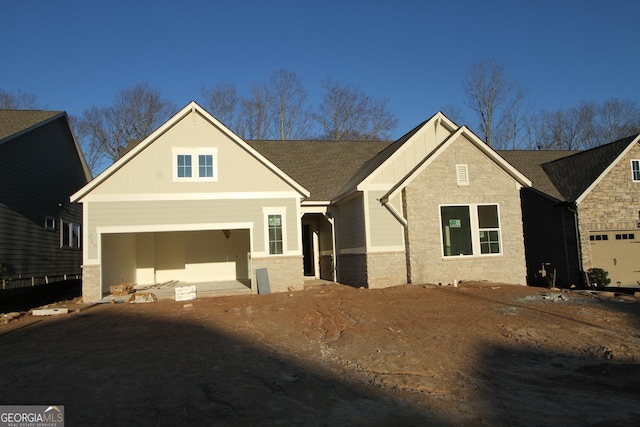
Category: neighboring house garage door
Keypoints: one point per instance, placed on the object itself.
(617, 252)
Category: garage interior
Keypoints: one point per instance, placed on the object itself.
(209, 259)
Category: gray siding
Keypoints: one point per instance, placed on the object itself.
(145, 213)
(384, 229)
(38, 172)
(350, 224)
(151, 171)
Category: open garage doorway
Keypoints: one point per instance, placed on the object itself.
(186, 257)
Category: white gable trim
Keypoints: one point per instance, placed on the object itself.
(436, 123)
(604, 173)
(191, 108)
(477, 142)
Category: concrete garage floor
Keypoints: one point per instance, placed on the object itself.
(203, 290)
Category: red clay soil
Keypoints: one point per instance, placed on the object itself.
(480, 354)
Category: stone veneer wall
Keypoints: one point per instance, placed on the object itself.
(612, 205)
(91, 291)
(385, 269)
(352, 269)
(326, 267)
(437, 185)
(284, 271)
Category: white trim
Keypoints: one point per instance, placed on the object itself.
(149, 197)
(433, 123)
(319, 209)
(519, 178)
(462, 174)
(190, 108)
(153, 228)
(367, 219)
(633, 177)
(608, 169)
(378, 249)
(275, 210)
(194, 152)
(475, 228)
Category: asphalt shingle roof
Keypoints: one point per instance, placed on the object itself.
(322, 167)
(572, 175)
(565, 175)
(530, 164)
(15, 121)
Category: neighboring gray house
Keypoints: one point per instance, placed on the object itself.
(40, 166)
(582, 211)
(195, 203)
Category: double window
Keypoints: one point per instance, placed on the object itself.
(470, 230)
(195, 164)
(635, 170)
(69, 235)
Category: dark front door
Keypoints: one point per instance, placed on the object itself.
(307, 250)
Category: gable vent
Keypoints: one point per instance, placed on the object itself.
(462, 174)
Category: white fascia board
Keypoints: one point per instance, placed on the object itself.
(624, 152)
(395, 190)
(437, 120)
(489, 152)
(192, 107)
(191, 196)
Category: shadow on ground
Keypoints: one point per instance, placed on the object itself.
(111, 367)
(24, 299)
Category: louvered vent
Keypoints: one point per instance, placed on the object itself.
(462, 174)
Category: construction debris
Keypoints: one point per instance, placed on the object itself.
(49, 311)
(142, 297)
(121, 289)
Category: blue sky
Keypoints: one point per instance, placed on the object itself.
(76, 54)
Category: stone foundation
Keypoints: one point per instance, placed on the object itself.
(283, 272)
(91, 290)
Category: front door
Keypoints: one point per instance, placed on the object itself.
(308, 250)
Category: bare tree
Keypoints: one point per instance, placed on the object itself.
(497, 101)
(277, 109)
(255, 113)
(619, 118)
(347, 113)
(290, 114)
(18, 101)
(109, 132)
(584, 126)
(454, 113)
(222, 101)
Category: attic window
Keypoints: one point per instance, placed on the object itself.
(195, 164)
(635, 170)
(462, 174)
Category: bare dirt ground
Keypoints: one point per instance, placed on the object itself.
(480, 354)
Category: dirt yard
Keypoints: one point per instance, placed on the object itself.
(480, 354)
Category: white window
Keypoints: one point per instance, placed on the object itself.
(69, 235)
(462, 174)
(195, 164)
(275, 230)
(184, 165)
(635, 170)
(470, 230)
